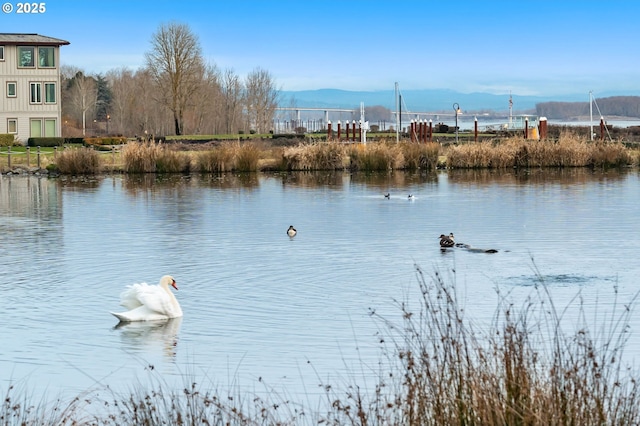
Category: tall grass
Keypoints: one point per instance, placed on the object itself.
(525, 369)
(78, 161)
(151, 157)
(318, 156)
(229, 157)
(568, 151)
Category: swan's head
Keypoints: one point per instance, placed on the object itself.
(167, 281)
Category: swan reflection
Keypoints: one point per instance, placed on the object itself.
(151, 336)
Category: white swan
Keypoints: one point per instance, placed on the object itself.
(149, 302)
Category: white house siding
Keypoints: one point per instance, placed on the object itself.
(19, 107)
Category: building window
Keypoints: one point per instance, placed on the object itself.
(36, 128)
(26, 57)
(12, 91)
(50, 128)
(49, 93)
(1, 53)
(12, 125)
(36, 93)
(46, 57)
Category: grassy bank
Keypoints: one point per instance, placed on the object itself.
(567, 150)
(436, 368)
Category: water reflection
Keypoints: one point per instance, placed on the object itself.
(566, 176)
(150, 337)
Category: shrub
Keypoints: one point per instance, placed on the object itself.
(48, 141)
(6, 139)
(105, 141)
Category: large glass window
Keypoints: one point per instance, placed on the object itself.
(26, 56)
(12, 125)
(12, 90)
(36, 128)
(46, 57)
(36, 93)
(50, 93)
(50, 127)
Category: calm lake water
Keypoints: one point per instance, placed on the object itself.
(262, 310)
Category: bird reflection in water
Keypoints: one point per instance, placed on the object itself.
(151, 336)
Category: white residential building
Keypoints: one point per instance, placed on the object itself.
(30, 85)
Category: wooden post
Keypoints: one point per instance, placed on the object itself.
(353, 138)
(543, 127)
(430, 131)
(339, 129)
(329, 135)
(28, 156)
(411, 130)
(475, 129)
(526, 128)
(359, 132)
(347, 130)
(38, 156)
(601, 128)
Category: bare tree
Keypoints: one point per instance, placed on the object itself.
(123, 90)
(81, 93)
(175, 63)
(261, 97)
(231, 91)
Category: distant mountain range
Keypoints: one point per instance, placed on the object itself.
(424, 100)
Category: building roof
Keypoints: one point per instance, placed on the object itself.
(29, 39)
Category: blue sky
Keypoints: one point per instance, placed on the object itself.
(526, 48)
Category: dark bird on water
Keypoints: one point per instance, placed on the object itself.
(291, 231)
(447, 240)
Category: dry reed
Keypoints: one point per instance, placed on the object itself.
(229, 157)
(376, 156)
(568, 151)
(319, 156)
(524, 370)
(78, 161)
(151, 157)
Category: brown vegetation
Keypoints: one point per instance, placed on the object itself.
(78, 161)
(567, 151)
(437, 368)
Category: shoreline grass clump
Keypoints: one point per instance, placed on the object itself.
(317, 156)
(376, 157)
(567, 151)
(78, 161)
(229, 157)
(420, 156)
(140, 157)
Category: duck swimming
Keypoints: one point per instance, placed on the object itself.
(447, 240)
(291, 232)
